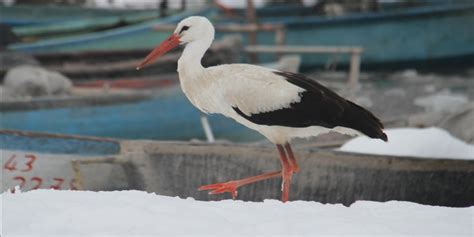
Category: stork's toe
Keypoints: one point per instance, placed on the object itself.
(230, 187)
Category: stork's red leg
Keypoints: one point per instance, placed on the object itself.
(291, 156)
(232, 186)
(286, 173)
(288, 164)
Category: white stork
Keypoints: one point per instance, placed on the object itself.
(279, 105)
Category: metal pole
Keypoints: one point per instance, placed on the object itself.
(207, 128)
(280, 35)
(355, 69)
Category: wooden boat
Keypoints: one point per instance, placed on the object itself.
(72, 27)
(35, 15)
(38, 160)
(121, 64)
(118, 68)
(137, 36)
(421, 34)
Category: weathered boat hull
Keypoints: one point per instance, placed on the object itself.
(325, 176)
(32, 161)
(178, 169)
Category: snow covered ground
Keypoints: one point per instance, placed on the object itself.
(136, 213)
(426, 142)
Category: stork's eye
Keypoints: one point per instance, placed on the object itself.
(184, 28)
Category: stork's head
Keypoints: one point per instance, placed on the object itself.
(194, 29)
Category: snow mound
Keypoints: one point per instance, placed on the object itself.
(416, 142)
(136, 213)
(443, 101)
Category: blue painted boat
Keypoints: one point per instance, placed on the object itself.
(418, 34)
(166, 115)
(43, 15)
(137, 36)
(432, 32)
(70, 27)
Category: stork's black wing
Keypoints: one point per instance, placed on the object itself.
(319, 106)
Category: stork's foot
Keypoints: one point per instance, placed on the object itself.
(231, 186)
(289, 167)
(227, 187)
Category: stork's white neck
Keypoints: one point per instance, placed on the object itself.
(192, 76)
(189, 64)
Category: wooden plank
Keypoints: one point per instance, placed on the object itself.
(134, 83)
(303, 49)
(353, 78)
(231, 27)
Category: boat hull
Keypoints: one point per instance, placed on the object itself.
(178, 169)
(138, 36)
(42, 15)
(165, 115)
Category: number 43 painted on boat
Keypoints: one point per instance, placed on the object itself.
(25, 165)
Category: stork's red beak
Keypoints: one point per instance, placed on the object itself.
(165, 46)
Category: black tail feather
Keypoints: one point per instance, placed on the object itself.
(358, 118)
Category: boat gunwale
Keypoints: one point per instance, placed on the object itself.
(134, 96)
(169, 147)
(54, 135)
(166, 147)
(374, 16)
(109, 12)
(87, 25)
(108, 146)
